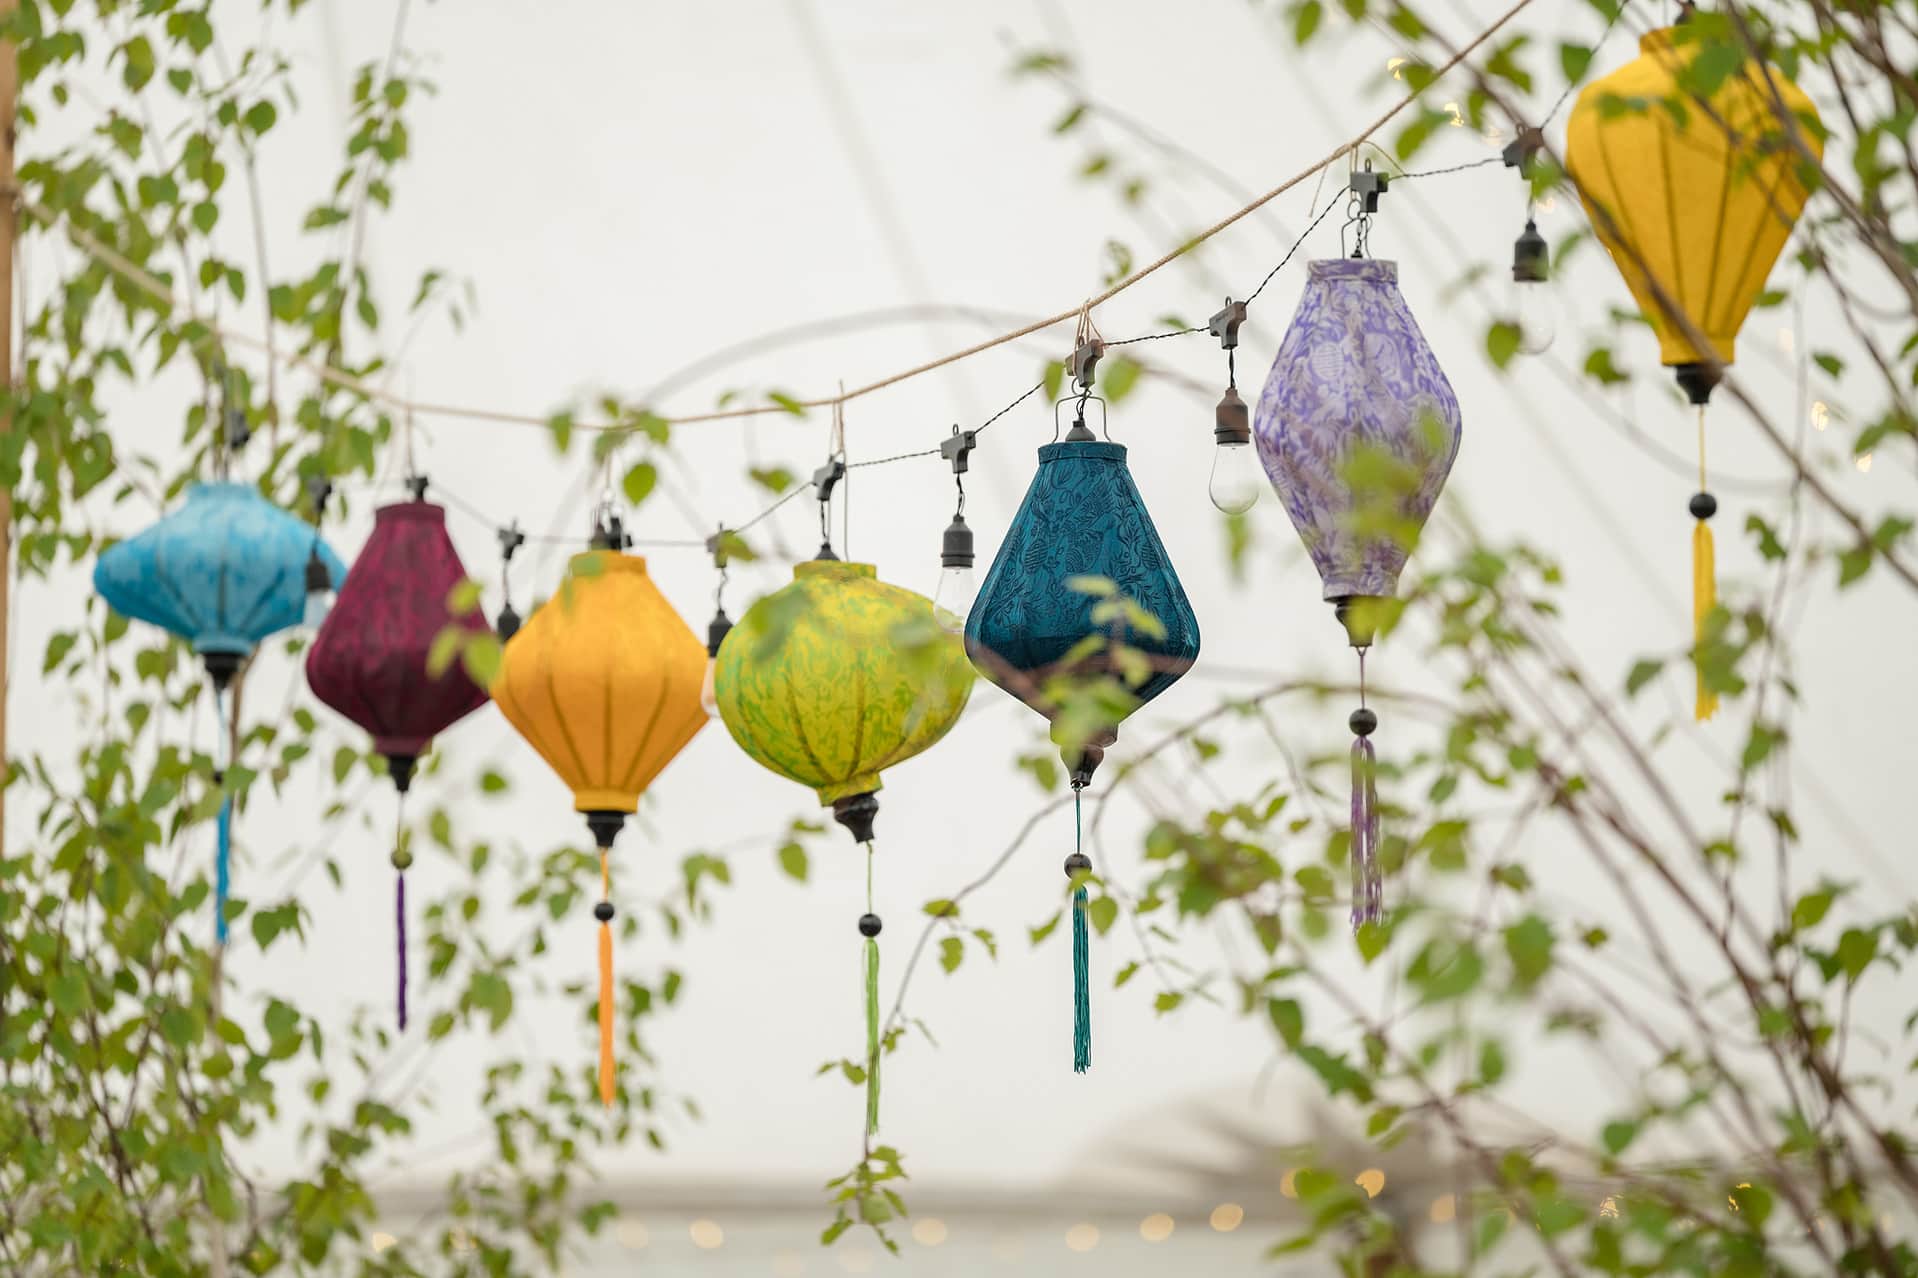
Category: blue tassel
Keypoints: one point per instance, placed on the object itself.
(222, 869)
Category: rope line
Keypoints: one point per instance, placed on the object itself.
(145, 280)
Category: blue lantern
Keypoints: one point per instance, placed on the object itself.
(225, 571)
(1082, 518)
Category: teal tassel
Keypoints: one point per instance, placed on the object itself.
(872, 1036)
(1081, 991)
(1081, 994)
(222, 865)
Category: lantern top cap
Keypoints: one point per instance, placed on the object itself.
(1375, 269)
(423, 511)
(601, 562)
(834, 568)
(1088, 449)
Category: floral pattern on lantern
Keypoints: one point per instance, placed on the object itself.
(1355, 373)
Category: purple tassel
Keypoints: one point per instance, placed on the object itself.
(1368, 886)
(399, 910)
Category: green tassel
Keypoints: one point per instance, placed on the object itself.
(1081, 995)
(872, 1036)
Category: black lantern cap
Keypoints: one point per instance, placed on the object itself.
(221, 667)
(856, 813)
(1698, 378)
(605, 825)
(400, 768)
(1359, 627)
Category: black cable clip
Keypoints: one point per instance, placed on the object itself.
(1225, 325)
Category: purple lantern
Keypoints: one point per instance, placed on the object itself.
(1357, 428)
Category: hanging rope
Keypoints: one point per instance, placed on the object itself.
(160, 290)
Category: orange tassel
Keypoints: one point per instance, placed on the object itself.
(605, 989)
(606, 1013)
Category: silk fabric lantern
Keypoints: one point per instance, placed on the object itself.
(1358, 428)
(1082, 518)
(829, 681)
(369, 661)
(224, 572)
(603, 681)
(1695, 200)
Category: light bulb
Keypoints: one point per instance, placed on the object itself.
(1536, 315)
(708, 693)
(1235, 477)
(1532, 309)
(952, 601)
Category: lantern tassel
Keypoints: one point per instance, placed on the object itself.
(1704, 599)
(872, 1036)
(605, 987)
(399, 915)
(222, 863)
(1368, 885)
(1081, 948)
(869, 928)
(1704, 576)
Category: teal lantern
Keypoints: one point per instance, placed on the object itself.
(224, 572)
(1039, 618)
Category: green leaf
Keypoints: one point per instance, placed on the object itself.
(1856, 950)
(640, 481)
(1501, 342)
(1617, 1134)
(1118, 378)
(1528, 944)
(1573, 60)
(1305, 20)
(1644, 670)
(1288, 1018)
(1102, 912)
(952, 952)
(1810, 909)
(793, 860)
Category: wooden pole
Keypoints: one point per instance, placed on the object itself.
(9, 93)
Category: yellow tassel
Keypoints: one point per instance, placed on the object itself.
(1704, 598)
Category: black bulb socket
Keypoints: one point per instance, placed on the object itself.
(869, 925)
(716, 631)
(1531, 256)
(955, 549)
(318, 579)
(1232, 421)
(1704, 505)
(508, 624)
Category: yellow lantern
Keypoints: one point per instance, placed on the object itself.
(1694, 189)
(604, 682)
(829, 681)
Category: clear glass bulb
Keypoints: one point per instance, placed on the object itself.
(1536, 315)
(708, 692)
(1236, 477)
(318, 604)
(952, 601)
